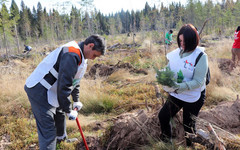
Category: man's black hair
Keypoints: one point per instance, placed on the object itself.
(98, 41)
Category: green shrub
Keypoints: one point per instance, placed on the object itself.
(22, 132)
(101, 104)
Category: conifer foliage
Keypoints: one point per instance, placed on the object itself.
(23, 25)
(166, 77)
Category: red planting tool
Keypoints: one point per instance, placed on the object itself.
(81, 132)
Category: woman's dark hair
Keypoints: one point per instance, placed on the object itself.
(190, 36)
(238, 28)
(98, 41)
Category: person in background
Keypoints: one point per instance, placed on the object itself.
(236, 47)
(27, 49)
(189, 94)
(53, 81)
(168, 38)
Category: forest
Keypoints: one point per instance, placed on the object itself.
(33, 26)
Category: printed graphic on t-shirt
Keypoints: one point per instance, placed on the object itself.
(188, 65)
(235, 35)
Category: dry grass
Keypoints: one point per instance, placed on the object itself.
(220, 49)
(120, 75)
(219, 94)
(94, 99)
(222, 87)
(13, 98)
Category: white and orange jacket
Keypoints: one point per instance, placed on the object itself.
(60, 73)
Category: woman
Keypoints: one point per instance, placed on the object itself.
(236, 47)
(190, 94)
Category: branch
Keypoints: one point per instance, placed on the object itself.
(205, 22)
(200, 138)
(215, 138)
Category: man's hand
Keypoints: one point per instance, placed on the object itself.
(77, 105)
(169, 89)
(72, 115)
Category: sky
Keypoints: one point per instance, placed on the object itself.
(104, 6)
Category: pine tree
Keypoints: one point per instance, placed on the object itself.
(112, 23)
(208, 13)
(34, 25)
(5, 27)
(40, 19)
(15, 16)
(95, 22)
(86, 24)
(146, 9)
(191, 11)
(46, 26)
(24, 23)
(236, 12)
(58, 25)
(73, 22)
(118, 25)
(137, 21)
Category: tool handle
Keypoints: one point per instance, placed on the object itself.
(81, 132)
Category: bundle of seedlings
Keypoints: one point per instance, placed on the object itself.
(166, 77)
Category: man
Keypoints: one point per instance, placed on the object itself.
(27, 49)
(53, 81)
(168, 38)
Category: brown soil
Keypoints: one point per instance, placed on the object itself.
(101, 70)
(226, 65)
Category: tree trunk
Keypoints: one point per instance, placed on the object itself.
(5, 43)
(18, 46)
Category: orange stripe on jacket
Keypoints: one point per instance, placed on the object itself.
(76, 51)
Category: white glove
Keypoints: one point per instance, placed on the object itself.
(77, 105)
(72, 115)
(169, 89)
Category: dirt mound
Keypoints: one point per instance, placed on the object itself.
(122, 46)
(132, 130)
(102, 70)
(226, 65)
(92, 143)
(226, 115)
(139, 128)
